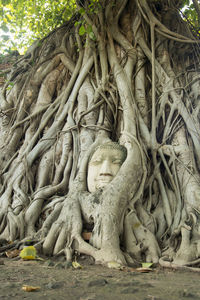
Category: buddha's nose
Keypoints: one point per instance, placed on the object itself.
(105, 168)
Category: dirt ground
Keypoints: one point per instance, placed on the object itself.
(57, 280)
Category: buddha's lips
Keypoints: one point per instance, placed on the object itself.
(106, 175)
(105, 178)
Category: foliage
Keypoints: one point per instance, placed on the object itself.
(190, 15)
(23, 21)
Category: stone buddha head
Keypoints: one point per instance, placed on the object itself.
(104, 164)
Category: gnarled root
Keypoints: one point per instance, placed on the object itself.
(187, 254)
(167, 264)
(139, 240)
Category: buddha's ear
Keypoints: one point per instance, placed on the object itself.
(128, 145)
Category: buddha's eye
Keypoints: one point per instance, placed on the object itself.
(96, 161)
(117, 161)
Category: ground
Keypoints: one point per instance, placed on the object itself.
(58, 281)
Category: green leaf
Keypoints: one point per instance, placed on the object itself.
(89, 29)
(82, 30)
(77, 23)
(82, 11)
(28, 253)
(92, 36)
(76, 265)
(114, 265)
(146, 265)
(5, 37)
(9, 17)
(4, 28)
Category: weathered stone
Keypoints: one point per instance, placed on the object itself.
(54, 285)
(98, 282)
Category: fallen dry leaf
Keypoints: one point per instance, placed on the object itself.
(129, 269)
(144, 270)
(29, 288)
(12, 253)
(86, 235)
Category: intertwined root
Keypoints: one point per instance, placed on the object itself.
(72, 93)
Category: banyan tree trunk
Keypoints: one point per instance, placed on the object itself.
(132, 77)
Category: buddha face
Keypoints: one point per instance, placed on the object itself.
(103, 166)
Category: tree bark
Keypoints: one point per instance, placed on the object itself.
(130, 79)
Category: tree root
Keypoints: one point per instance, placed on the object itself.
(167, 264)
(83, 93)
